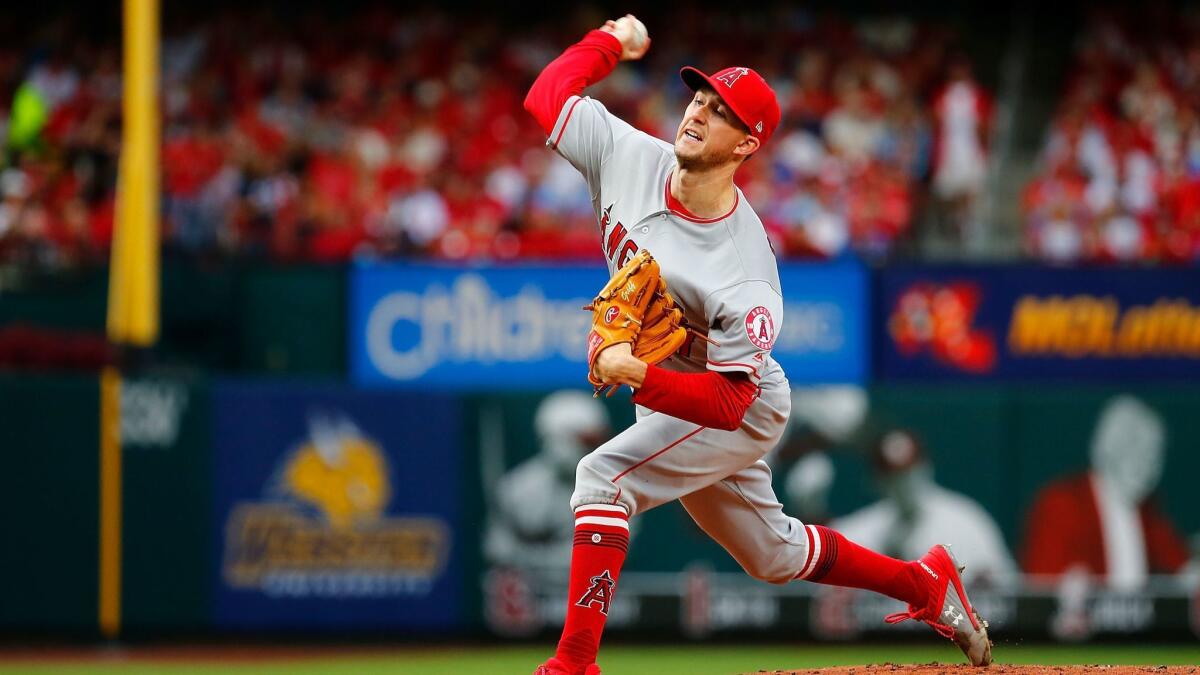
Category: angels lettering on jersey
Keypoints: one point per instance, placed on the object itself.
(613, 250)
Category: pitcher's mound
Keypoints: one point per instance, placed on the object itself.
(994, 669)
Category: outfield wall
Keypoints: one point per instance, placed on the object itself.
(254, 505)
(342, 451)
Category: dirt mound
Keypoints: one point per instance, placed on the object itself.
(995, 669)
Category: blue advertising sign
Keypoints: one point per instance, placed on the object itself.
(826, 312)
(1028, 322)
(522, 327)
(336, 508)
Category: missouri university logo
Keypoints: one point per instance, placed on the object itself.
(600, 592)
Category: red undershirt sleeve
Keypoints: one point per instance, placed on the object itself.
(581, 65)
(713, 399)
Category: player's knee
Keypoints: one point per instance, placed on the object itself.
(774, 569)
(594, 485)
(590, 472)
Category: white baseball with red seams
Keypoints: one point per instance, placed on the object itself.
(639, 30)
(725, 278)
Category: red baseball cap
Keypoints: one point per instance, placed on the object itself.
(745, 92)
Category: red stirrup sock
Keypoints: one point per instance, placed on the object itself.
(601, 540)
(837, 561)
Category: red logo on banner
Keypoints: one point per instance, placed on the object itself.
(939, 318)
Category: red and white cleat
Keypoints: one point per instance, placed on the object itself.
(949, 612)
(556, 667)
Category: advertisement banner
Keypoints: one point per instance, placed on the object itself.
(826, 331)
(1063, 464)
(522, 327)
(1037, 322)
(335, 508)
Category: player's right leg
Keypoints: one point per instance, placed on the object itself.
(742, 513)
(657, 460)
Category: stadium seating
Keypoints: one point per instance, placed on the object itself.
(319, 138)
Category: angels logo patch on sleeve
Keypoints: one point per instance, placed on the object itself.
(760, 327)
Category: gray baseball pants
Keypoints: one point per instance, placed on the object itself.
(718, 476)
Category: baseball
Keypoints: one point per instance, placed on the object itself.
(639, 31)
(637, 28)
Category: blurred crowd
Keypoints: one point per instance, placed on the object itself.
(1120, 173)
(317, 137)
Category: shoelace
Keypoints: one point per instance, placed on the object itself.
(941, 628)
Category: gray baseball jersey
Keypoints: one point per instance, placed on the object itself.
(725, 277)
(722, 271)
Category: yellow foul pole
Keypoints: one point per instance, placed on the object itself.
(133, 277)
(133, 288)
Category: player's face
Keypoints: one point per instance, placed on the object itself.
(709, 134)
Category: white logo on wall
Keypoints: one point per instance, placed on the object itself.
(151, 412)
(469, 322)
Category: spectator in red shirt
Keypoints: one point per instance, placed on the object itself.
(1104, 522)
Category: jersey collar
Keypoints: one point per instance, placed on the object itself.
(677, 208)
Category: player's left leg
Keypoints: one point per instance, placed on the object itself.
(742, 513)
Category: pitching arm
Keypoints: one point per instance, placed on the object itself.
(580, 66)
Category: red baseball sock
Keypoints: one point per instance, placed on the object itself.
(601, 540)
(837, 561)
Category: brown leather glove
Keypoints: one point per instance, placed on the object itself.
(635, 307)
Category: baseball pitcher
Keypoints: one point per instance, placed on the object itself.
(688, 322)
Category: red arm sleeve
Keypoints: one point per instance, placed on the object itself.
(712, 399)
(583, 64)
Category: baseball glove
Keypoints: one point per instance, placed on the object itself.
(635, 307)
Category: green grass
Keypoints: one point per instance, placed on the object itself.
(618, 660)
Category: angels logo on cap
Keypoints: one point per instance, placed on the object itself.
(752, 100)
(731, 75)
